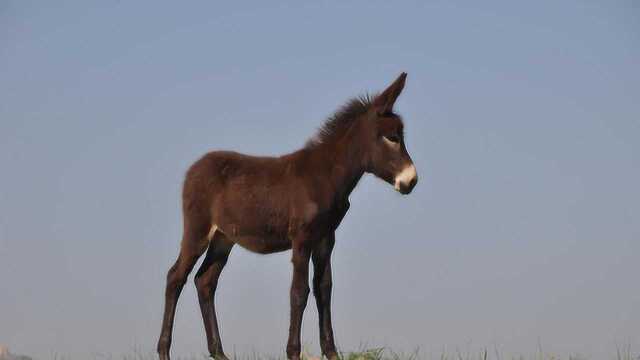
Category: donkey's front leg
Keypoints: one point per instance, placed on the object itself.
(299, 294)
(322, 284)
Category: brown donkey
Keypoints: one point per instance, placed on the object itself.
(296, 201)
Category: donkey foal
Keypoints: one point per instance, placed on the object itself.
(295, 201)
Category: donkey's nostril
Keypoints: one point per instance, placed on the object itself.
(413, 182)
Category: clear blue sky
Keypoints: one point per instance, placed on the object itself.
(523, 120)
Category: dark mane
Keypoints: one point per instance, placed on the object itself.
(340, 121)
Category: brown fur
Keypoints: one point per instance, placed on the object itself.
(271, 204)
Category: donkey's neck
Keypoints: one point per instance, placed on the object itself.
(343, 161)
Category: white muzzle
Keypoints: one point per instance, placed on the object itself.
(407, 176)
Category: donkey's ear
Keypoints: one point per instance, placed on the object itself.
(383, 103)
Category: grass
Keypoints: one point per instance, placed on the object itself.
(622, 353)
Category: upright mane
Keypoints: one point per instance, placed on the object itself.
(341, 120)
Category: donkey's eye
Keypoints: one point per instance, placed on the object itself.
(392, 138)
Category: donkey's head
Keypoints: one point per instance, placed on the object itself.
(387, 157)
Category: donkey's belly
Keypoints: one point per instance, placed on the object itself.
(262, 244)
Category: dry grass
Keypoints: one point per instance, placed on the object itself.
(622, 353)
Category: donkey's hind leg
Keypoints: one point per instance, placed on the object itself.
(194, 243)
(206, 282)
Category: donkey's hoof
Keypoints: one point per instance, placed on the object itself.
(332, 356)
(220, 356)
